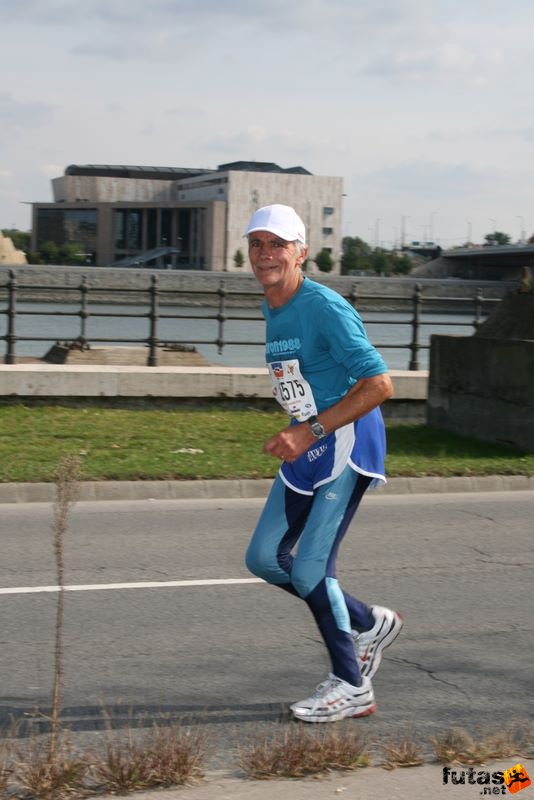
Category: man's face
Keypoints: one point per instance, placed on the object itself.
(274, 261)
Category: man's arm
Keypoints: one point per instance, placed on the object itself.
(366, 394)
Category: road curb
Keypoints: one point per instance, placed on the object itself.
(235, 489)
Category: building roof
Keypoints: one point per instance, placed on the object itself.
(260, 166)
(121, 171)
(175, 173)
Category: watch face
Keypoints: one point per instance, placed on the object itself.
(317, 429)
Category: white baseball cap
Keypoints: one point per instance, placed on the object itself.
(281, 220)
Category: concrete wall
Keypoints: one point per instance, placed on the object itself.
(194, 280)
(484, 388)
(101, 189)
(50, 381)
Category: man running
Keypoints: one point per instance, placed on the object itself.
(331, 381)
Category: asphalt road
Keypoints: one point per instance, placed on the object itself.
(230, 656)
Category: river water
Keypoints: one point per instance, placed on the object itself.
(390, 332)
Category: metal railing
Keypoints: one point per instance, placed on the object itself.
(153, 295)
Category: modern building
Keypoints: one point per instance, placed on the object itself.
(181, 218)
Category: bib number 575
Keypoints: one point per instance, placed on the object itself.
(291, 390)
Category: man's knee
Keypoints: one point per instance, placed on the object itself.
(302, 579)
(262, 563)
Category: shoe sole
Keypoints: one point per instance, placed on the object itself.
(339, 715)
(374, 663)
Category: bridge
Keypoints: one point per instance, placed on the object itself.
(492, 262)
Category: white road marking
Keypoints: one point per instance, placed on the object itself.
(102, 587)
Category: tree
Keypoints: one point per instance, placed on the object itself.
(380, 261)
(497, 238)
(324, 260)
(69, 254)
(401, 265)
(49, 253)
(239, 259)
(356, 255)
(20, 239)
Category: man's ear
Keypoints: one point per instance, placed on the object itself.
(303, 255)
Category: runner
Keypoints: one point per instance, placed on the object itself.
(331, 381)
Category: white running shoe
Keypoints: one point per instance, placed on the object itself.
(369, 644)
(334, 700)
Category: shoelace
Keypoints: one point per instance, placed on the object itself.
(323, 688)
(363, 640)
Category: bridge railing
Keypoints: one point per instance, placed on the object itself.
(155, 303)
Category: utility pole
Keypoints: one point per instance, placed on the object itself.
(403, 230)
(522, 236)
(377, 232)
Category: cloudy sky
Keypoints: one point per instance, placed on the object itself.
(422, 106)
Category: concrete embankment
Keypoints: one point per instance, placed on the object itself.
(178, 383)
(193, 286)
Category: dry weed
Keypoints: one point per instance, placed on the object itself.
(5, 764)
(515, 740)
(165, 756)
(67, 480)
(403, 751)
(123, 768)
(295, 752)
(456, 745)
(176, 756)
(55, 779)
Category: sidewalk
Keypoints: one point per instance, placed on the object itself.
(220, 489)
(375, 783)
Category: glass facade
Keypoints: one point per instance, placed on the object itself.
(137, 231)
(69, 226)
(133, 232)
(128, 229)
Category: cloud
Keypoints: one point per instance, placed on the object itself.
(154, 46)
(187, 112)
(51, 170)
(18, 117)
(260, 143)
(22, 113)
(417, 177)
(524, 132)
(448, 58)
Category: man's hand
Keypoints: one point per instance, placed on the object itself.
(365, 395)
(290, 443)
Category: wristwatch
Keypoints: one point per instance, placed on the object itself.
(316, 428)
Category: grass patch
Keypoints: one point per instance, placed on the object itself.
(165, 756)
(402, 751)
(36, 773)
(296, 752)
(456, 745)
(419, 450)
(184, 443)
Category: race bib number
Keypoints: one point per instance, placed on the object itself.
(292, 391)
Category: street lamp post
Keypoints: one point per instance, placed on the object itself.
(404, 219)
(377, 232)
(522, 236)
(431, 226)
